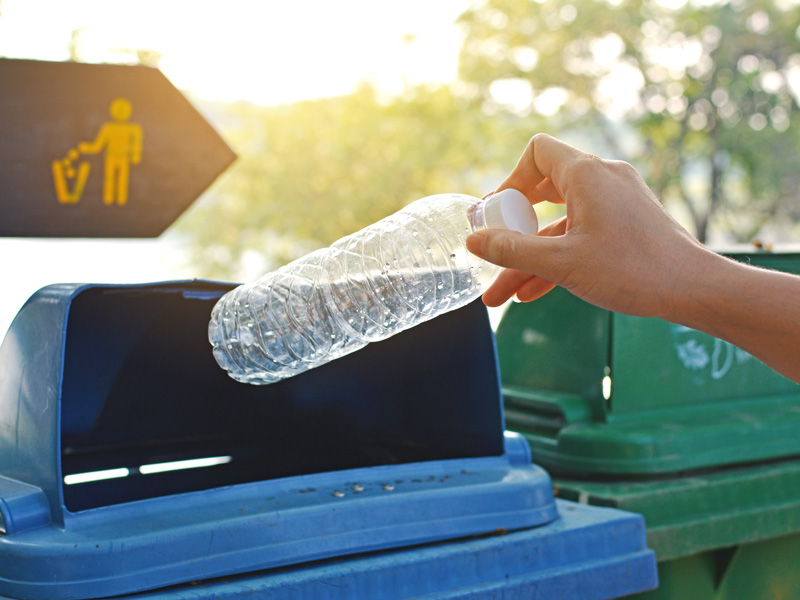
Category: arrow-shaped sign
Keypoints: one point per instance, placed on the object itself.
(99, 150)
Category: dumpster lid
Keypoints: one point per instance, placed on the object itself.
(120, 435)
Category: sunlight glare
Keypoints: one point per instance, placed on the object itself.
(264, 52)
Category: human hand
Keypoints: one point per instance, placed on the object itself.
(616, 248)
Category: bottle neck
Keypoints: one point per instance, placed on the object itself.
(476, 214)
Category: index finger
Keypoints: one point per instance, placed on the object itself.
(544, 157)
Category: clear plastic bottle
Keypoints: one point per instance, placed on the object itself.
(388, 277)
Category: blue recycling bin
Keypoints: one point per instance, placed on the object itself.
(132, 466)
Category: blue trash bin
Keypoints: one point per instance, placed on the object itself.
(130, 464)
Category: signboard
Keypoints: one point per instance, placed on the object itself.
(99, 150)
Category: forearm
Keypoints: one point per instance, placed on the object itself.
(89, 147)
(755, 309)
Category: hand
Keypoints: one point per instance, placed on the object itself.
(616, 248)
(619, 249)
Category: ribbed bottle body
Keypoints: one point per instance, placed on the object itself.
(388, 277)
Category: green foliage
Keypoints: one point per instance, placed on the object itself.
(311, 172)
(705, 84)
(700, 94)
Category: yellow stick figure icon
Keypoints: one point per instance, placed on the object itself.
(122, 142)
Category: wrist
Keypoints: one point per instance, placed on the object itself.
(699, 296)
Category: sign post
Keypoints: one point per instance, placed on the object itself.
(92, 150)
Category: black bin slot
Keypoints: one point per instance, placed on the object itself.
(141, 389)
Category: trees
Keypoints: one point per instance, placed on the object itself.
(700, 94)
(710, 87)
(311, 172)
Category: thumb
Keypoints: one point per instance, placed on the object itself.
(537, 255)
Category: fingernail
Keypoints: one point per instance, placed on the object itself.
(475, 242)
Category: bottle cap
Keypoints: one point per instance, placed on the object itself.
(510, 209)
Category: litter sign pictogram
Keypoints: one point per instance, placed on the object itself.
(99, 150)
(122, 143)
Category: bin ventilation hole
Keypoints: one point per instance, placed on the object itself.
(194, 463)
(96, 476)
(606, 387)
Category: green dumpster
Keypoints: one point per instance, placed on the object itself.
(691, 432)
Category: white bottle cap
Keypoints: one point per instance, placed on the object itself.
(510, 209)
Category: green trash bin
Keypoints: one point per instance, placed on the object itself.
(691, 432)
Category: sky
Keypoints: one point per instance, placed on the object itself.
(267, 52)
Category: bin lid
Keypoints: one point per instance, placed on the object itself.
(589, 552)
(130, 461)
(704, 511)
(597, 392)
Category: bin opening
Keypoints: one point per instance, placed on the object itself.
(146, 412)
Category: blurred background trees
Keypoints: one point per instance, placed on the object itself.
(704, 92)
(311, 172)
(701, 95)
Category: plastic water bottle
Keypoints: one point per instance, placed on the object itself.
(388, 277)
